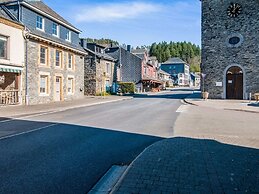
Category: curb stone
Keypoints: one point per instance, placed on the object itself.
(117, 185)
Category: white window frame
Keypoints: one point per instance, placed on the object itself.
(47, 84)
(108, 68)
(6, 39)
(58, 31)
(46, 55)
(68, 36)
(72, 61)
(60, 59)
(43, 23)
(72, 92)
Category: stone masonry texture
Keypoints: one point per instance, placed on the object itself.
(218, 55)
(94, 78)
(34, 69)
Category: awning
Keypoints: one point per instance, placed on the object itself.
(10, 69)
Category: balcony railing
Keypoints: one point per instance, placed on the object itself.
(9, 97)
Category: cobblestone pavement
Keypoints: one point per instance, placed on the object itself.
(186, 165)
(213, 151)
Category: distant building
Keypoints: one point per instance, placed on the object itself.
(128, 66)
(150, 81)
(179, 71)
(195, 80)
(99, 70)
(165, 78)
(11, 59)
(54, 59)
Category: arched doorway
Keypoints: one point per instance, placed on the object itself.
(234, 83)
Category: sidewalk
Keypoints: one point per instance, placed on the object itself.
(214, 150)
(22, 110)
(236, 105)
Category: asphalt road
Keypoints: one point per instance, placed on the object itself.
(69, 151)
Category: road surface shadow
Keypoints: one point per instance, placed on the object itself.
(256, 104)
(188, 165)
(62, 158)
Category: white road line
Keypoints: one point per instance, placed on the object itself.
(182, 108)
(25, 132)
(60, 110)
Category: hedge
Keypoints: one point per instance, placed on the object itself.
(127, 87)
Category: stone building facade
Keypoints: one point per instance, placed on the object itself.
(99, 70)
(56, 77)
(54, 59)
(230, 52)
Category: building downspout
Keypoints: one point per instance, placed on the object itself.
(26, 72)
(25, 36)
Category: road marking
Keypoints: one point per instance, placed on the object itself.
(25, 132)
(62, 110)
(182, 108)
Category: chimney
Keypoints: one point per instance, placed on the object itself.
(83, 43)
(129, 48)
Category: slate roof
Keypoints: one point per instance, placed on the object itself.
(5, 1)
(101, 55)
(174, 61)
(4, 14)
(43, 7)
(163, 72)
(40, 5)
(115, 48)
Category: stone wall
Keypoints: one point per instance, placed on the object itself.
(95, 79)
(90, 76)
(218, 54)
(34, 70)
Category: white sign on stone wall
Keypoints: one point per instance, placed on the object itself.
(219, 84)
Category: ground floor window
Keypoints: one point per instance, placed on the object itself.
(70, 85)
(44, 82)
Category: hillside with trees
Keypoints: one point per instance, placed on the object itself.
(102, 41)
(187, 51)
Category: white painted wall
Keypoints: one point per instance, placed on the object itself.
(15, 51)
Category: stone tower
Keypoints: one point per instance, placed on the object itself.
(230, 48)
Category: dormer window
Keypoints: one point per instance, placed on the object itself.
(68, 36)
(55, 30)
(40, 23)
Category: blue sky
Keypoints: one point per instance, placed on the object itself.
(136, 22)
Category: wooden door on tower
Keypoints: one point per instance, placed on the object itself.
(235, 83)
